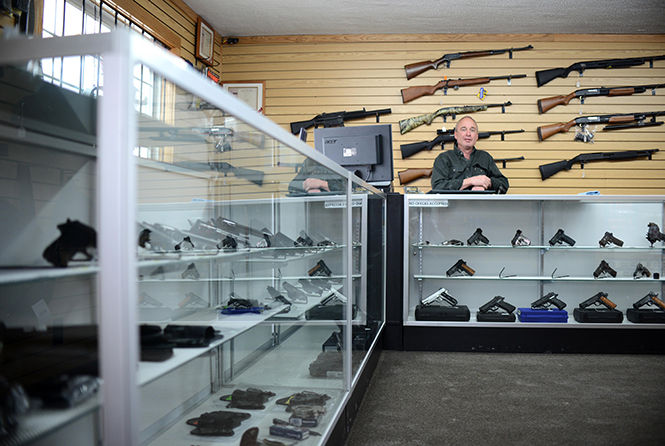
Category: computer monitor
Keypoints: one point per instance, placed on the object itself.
(366, 150)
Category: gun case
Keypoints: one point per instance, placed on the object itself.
(593, 315)
(495, 317)
(531, 315)
(335, 312)
(442, 313)
(645, 316)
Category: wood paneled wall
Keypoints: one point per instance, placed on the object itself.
(173, 23)
(308, 75)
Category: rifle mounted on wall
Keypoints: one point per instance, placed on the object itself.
(414, 69)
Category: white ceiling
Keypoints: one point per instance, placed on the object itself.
(293, 17)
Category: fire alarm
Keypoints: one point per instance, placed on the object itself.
(212, 75)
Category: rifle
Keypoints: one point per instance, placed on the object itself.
(546, 104)
(411, 93)
(414, 69)
(336, 119)
(444, 137)
(547, 170)
(637, 120)
(409, 175)
(406, 125)
(545, 76)
(255, 176)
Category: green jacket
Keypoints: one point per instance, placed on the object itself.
(451, 168)
(312, 169)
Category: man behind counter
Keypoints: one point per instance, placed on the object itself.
(466, 167)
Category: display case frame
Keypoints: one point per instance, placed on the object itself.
(427, 225)
(116, 206)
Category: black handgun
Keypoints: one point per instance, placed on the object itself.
(460, 268)
(547, 301)
(276, 295)
(519, 239)
(641, 271)
(560, 237)
(320, 269)
(75, 237)
(604, 270)
(477, 238)
(304, 239)
(609, 238)
(649, 299)
(493, 305)
(654, 234)
(598, 299)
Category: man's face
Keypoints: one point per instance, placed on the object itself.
(466, 134)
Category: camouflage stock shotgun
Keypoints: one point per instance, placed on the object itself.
(411, 93)
(406, 125)
(414, 69)
(546, 104)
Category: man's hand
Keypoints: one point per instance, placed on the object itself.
(313, 185)
(479, 182)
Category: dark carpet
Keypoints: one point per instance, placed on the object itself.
(439, 398)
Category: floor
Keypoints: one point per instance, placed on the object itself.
(439, 398)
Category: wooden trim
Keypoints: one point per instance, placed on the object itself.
(203, 26)
(160, 31)
(349, 38)
(185, 9)
(39, 17)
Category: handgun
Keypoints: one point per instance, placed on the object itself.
(547, 301)
(304, 240)
(477, 238)
(598, 299)
(334, 296)
(650, 299)
(604, 270)
(320, 269)
(641, 271)
(519, 239)
(294, 293)
(460, 268)
(310, 287)
(493, 305)
(439, 295)
(609, 238)
(560, 237)
(276, 295)
(654, 234)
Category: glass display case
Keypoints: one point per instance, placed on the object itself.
(165, 279)
(534, 261)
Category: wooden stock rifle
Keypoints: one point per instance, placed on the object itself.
(411, 93)
(546, 104)
(414, 69)
(617, 121)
